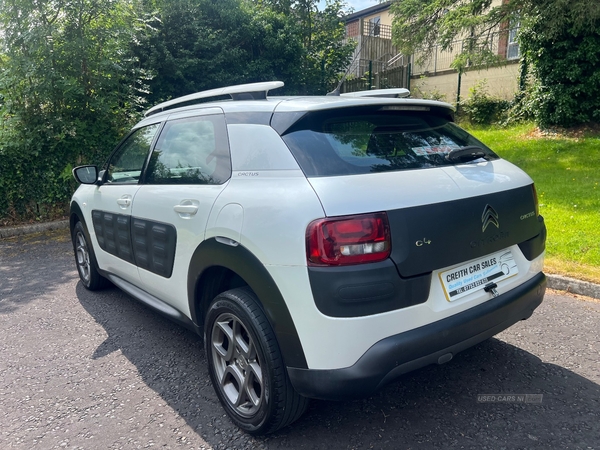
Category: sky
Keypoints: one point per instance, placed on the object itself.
(357, 5)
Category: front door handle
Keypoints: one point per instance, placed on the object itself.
(124, 202)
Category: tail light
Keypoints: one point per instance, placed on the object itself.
(348, 240)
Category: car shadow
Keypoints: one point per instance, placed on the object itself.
(432, 407)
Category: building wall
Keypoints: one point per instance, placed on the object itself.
(353, 28)
(376, 51)
(386, 17)
(501, 82)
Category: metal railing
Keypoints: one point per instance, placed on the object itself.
(378, 64)
(377, 75)
(373, 44)
(441, 60)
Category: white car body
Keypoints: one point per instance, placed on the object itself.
(259, 216)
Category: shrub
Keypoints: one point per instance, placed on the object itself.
(481, 108)
(418, 91)
(566, 67)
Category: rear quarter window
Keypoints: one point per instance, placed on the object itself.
(370, 140)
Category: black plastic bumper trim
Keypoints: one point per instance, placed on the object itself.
(429, 344)
(365, 289)
(535, 246)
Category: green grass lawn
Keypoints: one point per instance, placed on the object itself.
(566, 171)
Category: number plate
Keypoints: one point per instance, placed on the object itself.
(475, 275)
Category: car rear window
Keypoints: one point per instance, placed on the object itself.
(381, 139)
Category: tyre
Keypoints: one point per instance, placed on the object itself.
(87, 267)
(246, 366)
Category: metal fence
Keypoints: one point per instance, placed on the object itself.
(440, 60)
(377, 75)
(375, 65)
(373, 43)
(378, 64)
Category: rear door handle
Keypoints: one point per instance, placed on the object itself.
(186, 208)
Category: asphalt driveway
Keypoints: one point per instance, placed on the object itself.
(100, 371)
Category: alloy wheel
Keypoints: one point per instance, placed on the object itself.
(237, 366)
(83, 257)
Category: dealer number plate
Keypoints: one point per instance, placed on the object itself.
(476, 275)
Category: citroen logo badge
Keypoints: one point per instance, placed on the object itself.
(489, 216)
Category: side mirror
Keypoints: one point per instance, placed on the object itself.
(86, 174)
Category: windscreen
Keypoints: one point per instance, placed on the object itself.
(381, 139)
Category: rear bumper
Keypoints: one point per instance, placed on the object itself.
(435, 343)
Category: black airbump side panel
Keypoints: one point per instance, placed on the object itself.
(112, 232)
(150, 245)
(154, 246)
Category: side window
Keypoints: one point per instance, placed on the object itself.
(375, 26)
(125, 166)
(191, 151)
(513, 51)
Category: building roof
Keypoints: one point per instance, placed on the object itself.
(367, 12)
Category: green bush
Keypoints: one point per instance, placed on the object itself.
(67, 93)
(418, 91)
(566, 70)
(481, 108)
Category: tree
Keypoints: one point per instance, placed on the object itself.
(327, 53)
(549, 28)
(423, 24)
(75, 74)
(566, 72)
(68, 89)
(204, 44)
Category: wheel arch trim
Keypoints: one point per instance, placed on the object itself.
(247, 266)
(76, 215)
(75, 211)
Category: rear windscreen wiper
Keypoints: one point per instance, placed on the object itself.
(466, 154)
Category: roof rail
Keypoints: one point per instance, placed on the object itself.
(390, 93)
(252, 91)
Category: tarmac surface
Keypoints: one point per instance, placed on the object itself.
(98, 370)
(556, 282)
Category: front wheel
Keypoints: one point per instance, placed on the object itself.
(86, 261)
(246, 367)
